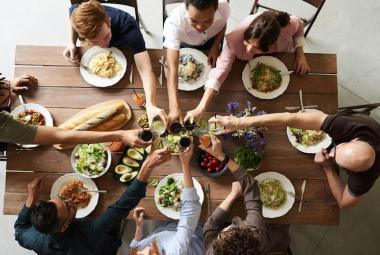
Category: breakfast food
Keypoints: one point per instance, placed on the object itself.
(189, 68)
(104, 65)
(31, 117)
(308, 137)
(272, 193)
(265, 78)
(76, 191)
(107, 116)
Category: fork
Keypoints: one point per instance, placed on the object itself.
(82, 65)
(80, 190)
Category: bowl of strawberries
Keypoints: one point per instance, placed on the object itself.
(210, 165)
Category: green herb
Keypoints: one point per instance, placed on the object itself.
(153, 182)
(247, 158)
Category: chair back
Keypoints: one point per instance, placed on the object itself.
(164, 11)
(130, 3)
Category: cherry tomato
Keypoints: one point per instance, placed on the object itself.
(217, 169)
(209, 170)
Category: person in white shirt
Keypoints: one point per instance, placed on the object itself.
(196, 24)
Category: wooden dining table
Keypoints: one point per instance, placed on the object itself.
(63, 92)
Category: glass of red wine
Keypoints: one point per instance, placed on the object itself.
(145, 135)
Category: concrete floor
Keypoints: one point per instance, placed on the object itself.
(344, 27)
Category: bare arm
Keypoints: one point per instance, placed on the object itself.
(54, 135)
(172, 78)
(305, 120)
(215, 48)
(208, 95)
(144, 67)
(340, 190)
(71, 53)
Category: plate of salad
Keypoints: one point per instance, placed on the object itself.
(168, 195)
(275, 190)
(308, 141)
(90, 160)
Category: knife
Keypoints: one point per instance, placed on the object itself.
(131, 74)
(302, 192)
(161, 71)
(207, 188)
(287, 73)
(292, 108)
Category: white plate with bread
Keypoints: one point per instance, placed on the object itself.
(107, 116)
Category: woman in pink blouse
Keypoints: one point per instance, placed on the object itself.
(267, 32)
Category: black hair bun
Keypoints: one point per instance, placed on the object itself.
(283, 18)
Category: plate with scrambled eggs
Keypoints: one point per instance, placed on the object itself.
(262, 77)
(105, 66)
(193, 69)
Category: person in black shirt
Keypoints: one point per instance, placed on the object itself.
(357, 147)
(106, 26)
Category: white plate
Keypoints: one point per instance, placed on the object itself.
(270, 61)
(323, 144)
(287, 186)
(170, 212)
(100, 81)
(108, 164)
(38, 108)
(88, 183)
(200, 82)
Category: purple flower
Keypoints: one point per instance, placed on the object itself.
(233, 107)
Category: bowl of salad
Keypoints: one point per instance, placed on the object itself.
(90, 160)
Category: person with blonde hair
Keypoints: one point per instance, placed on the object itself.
(106, 26)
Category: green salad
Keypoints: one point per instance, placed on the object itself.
(90, 159)
(170, 194)
(271, 193)
(172, 141)
(247, 158)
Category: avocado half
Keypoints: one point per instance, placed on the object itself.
(123, 169)
(128, 177)
(134, 154)
(130, 162)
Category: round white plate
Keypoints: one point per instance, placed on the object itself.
(108, 165)
(270, 61)
(200, 82)
(35, 107)
(287, 186)
(99, 81)
(170, 212)
(88, 183)
(323, 144)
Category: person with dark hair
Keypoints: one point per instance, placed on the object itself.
(267, 32)
(198, 24)
(356, 147)
(249, 236)
(50, 227)
(174, 237)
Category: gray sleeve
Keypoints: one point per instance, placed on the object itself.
(13, 131)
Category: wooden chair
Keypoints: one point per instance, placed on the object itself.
(130, 3)
(318, 4)
(364, 108)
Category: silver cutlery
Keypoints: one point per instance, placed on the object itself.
(287, 73)
(292, 108)
(80, 190)
(161, 71)
(301, 100)
(82, 65)
(302, 193)
(207, 189)
(131, 74)
(27, 115)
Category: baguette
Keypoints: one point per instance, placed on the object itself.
(107, 116)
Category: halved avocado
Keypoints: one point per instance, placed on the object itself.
(141, 151)
(130, 162)
(132, 153)
(123, 169)
(148, 149)
(128, 176)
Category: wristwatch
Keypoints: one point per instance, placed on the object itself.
(225, 160)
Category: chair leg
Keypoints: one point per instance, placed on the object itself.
(314, 18)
